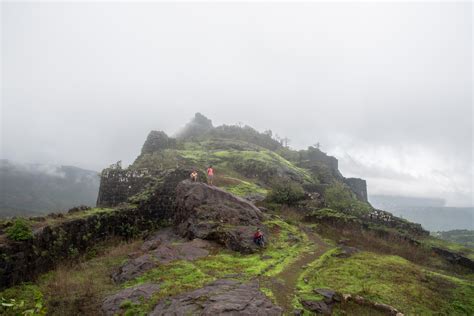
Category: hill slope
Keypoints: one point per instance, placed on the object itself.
(180, 247)
(35, 189)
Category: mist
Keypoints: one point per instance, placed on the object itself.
(384, 87)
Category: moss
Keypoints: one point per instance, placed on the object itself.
(268, 293)
(20, 230)
(328, 213)
(388, 279)
(245, 188)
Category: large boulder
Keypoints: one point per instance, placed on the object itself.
(207, 212)
(222, 297)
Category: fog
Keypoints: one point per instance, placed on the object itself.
(384, 87)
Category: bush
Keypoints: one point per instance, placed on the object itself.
(340, 197)
(286, 192)
(20, 230)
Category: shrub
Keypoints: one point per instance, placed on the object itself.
(20, 230)
(286, 192)
(339, 197)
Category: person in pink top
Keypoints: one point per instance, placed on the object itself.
(210, 175)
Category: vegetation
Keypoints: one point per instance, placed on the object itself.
(461, 236)
(339, 197)
(19, 230)
(391, 280)
(286, 244)
(286, 192)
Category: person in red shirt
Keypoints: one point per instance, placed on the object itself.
(210, 175)
(258, 238)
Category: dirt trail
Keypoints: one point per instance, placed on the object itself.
(283, 285)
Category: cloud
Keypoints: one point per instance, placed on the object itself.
(387, 84)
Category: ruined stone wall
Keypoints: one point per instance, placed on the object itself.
(24, 260)
(359, 187)
(117, 185)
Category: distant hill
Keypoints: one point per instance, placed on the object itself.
(34, 189)
(461, 236)
(431, 213)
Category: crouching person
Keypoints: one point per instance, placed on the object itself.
(258, 238)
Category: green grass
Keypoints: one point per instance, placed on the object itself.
(181, 276)
(21, 299)
(244, 188)
(391, 280)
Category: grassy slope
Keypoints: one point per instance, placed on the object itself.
(391, 280)
(225, 160)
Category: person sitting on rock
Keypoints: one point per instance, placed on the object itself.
(210, 175)
(194, 176)
(258, 238)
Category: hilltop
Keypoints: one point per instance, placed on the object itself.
(160, 244)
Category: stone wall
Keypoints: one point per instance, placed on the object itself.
(117, 185)
(24, 260)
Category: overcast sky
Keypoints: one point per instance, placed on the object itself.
(386, 88)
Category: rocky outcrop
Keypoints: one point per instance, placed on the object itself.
(454, 258)
(207, 212)
(112, 304)
(163, 248)
(359, 187)
(222, 297)
(156, 141)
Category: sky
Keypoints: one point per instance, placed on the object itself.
(384, 87)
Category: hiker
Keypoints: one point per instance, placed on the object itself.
(194, 176)
(258, 238)
(210, 175)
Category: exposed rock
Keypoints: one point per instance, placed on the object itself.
(111, 304)
(454, 258)
(387, 309)
(162, 248)
(134, 268)
(222, 297)
(359, 187)
(317, 307)
(192, 250)
(330, 296)
(207, 212)
(346, 251)
(156, 141)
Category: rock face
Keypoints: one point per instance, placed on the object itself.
(454, 258)
(359, 187)
(156, 141)
(207, 212)
(222, 297)
(111, 304)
